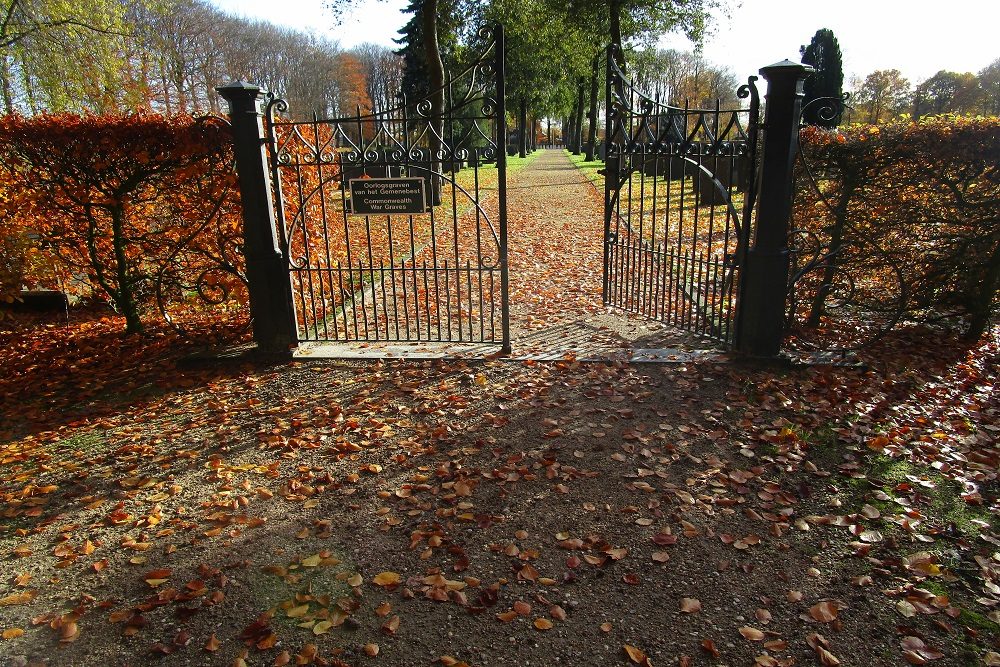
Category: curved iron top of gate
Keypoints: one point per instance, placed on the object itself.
(640, 125)
(409, 134)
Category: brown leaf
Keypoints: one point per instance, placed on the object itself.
(390, 626)
(69, 632)
(824, 612)
(543, 624)
(690, 605)
(21, 597)
(751, 633)
(636, 655)
(371, 650)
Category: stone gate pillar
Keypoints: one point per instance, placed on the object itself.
(760, 321)
(271, 306)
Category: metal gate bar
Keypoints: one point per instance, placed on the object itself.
(436, 273)
(679, 189)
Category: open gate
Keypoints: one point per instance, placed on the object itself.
(394, 223)
(678, 201)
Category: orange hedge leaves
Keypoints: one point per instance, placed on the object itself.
(139, 208)
(923, 197)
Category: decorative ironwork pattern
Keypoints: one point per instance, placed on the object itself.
(679, 197)
(432, 276)
(845, 290)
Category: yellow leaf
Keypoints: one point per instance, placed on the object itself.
(322, 627)
(12, 633)
(386, 579)
(311, 561)
(22, 597)
(297, 612)
(543, 624)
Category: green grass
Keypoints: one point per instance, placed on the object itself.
(86, 443)
(516, 163)
(589, 169)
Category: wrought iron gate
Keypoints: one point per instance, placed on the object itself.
(678, 200)
(394, 223)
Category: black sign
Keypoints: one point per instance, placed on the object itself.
(387, 196)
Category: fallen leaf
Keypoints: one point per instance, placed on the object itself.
(390, 626)
(387, 579)
(690, 605)
(824, 612)
(636, 655)
(542, 624)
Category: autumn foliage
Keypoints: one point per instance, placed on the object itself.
(135, 209)
(912, 213)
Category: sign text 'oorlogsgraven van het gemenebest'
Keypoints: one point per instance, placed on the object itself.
(387, 196)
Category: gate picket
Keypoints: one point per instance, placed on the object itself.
(675, 236)
(409, 273)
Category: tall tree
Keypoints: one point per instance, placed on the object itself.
(823, 53)
(383, 72)
(989, 83)
(884, 94)
(947, 92)
(620, 22)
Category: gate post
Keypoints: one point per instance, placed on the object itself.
(271, 307)
(764, 284)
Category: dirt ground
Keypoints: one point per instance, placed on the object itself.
(497, 512)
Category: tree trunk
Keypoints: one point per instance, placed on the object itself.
(8, 93)
(615, 24)
(522, 131)
(592, 138)
(982, 310)
(435, 70)
(818, 308)
(578, 122)
(125, 300)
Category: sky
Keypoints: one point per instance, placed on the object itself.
(917, 37)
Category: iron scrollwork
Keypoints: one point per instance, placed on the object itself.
(679, 195)
(437, 273)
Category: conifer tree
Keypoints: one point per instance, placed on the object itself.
(823, 53)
